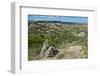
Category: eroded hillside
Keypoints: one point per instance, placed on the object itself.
(57, 40)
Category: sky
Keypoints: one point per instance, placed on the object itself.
(74, 19)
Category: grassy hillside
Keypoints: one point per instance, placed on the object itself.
(60, 35)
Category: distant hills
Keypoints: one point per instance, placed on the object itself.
(75, 23)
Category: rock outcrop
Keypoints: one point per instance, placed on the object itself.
(44, 48)
(72, 52)
(47, 50)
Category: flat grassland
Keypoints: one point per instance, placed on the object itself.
(49, 40)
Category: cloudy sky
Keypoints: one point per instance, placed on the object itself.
(75, 19)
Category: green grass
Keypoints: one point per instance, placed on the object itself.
(63, 34)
